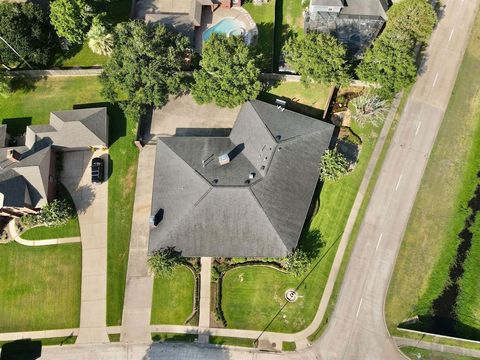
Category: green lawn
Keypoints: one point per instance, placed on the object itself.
(412, 353)
(172, 301)
(289, 346)
(39, 287)
(430, 241)
(252, 297)
(309, 100)
(121, 195)
(81, 55)
(263, 15)
(232, 341)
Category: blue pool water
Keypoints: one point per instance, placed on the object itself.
(227, 26)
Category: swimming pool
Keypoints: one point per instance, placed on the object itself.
(228, 26)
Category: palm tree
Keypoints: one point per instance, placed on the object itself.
(100, 40)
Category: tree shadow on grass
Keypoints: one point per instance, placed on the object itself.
(292, 104)
(25, 83)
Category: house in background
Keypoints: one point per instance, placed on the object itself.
(356, 23)
(244, 195)
(27, 173)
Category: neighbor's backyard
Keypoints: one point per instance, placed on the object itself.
(32, 103)
(443, 203)
(253, 297)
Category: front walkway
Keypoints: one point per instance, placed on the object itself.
(17, 238)
(204, 307)
(139, 286)
(91, 203)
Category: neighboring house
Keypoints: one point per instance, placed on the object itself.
(247, 194)
(185, 16)
(27, 172)
(356, 23)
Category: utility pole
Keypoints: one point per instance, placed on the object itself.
(15, 51)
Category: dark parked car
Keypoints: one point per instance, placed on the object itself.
(97, 170)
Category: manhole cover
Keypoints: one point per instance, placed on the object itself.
(291, 295)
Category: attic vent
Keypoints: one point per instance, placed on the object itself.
(279, 137)
(251, 175)
(224, 159)
(215, 181)
(262, 167)
(247, 181)
(280, 104)
(13, 155)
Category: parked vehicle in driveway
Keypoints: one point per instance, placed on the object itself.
(98, 166)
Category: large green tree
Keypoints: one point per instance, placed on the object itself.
(145, 66)
(389, 63)
(317, 58)
(27, 29)
(228, 76)
(415, 18)
(71, 19)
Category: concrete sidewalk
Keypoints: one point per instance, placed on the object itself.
(204, 307)
(139, 286)
(92, 204)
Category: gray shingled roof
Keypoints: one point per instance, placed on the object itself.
(79, 128)
(230, 217)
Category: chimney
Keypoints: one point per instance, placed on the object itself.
(224, 159)
(13, 155)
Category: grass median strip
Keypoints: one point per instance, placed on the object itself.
(163, 336)
(430, 243)
(413, 353)
(232, 341)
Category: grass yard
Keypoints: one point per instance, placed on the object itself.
(412, 353)
(39, 287)
(430, 241)
(263, 15)
(309, 100)
(172, 301)
(232, 341)
(253, 297)
(81, 55)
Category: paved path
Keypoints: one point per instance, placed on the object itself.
(357, 328)
(17, 238)
(437, 347)
(57, 72)
(91, 203)
(204, 307)
(139, 287)
(42, 334)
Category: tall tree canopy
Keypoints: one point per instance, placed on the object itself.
(413, 17)
(26, 28)
(71, 19)
(228, 76)
(390, 63)
(317, 58)
(145, 65)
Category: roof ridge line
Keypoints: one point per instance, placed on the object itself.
(266, 215)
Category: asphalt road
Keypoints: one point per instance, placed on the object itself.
(357, 329)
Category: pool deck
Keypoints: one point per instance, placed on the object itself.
(210, 18)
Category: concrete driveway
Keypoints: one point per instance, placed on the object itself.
(182, 116)
(92, 203)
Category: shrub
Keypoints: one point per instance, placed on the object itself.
(100, 40)
(163, 261)
(369, 108)
(55, 213)
(333, 166)
(297, 262)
